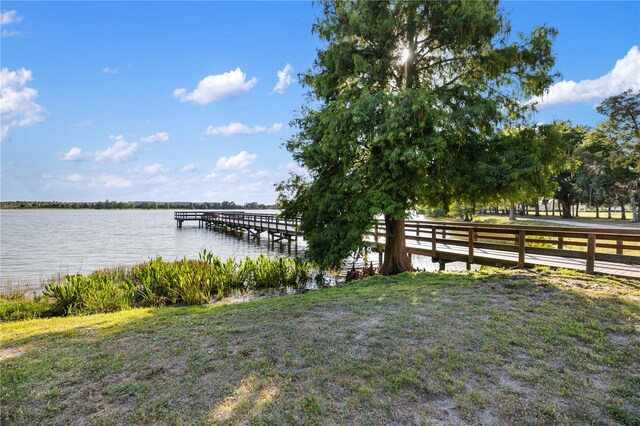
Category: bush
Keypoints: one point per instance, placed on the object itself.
(78, 294)
(16, 306)
(158, 282)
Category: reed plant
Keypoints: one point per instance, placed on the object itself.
(159, 282)
(79, 294)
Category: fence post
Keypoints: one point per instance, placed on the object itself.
(591, 253)
(619, 248)
(433, 240)
(470, 238)
(560, 242)
(521, 244)
(375, 235)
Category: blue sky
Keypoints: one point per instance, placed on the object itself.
(192, 101)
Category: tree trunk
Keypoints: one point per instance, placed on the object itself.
(609, 212)
(537, 209)
(622, 211)
(577, 208)
(634, 208)
(597, 211)
(396, 260)
(566, 209)
(546, 207)
(553, 207)
(512, 211)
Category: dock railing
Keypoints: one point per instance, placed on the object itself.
(589, 244)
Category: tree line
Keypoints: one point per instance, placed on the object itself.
(143, 205)
(573, 165)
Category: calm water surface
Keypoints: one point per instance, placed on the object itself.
(36, 245)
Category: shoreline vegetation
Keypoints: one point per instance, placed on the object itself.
(492, 347)
(158, 283)
(127, 205)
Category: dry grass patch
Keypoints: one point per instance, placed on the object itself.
(451, 348)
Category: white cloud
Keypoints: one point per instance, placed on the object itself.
(156, 137)
(85, 123)
(75, 154)
(156, 180)
(17, 101)
(5, 33)
(260, 174)
(109, 70)
(119, 151)
(154, 169)
(229, 178)
(111, 181)
(217, 87)
(285, 79)
(234, 128)
(190, 168)
(624, 75)
(237, 162)
(211, 175)
(10, 17)
(75, 178)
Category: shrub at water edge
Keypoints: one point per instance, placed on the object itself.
(159, 282)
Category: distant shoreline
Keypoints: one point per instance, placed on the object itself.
(131, 205)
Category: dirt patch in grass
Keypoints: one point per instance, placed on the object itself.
(491, 347)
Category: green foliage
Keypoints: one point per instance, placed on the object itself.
(78, 294)
(385, 136)
(619, 137)
(157, 282)
(524, 160)
(17, 306)
(623, 111)
(435, 213)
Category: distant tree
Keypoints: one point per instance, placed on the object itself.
(567, 190)
(403, 98)
(229, 205)
(623, 111)
(623, 132)
(525, 160)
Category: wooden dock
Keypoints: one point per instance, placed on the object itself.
(254, 224)
(593, 250)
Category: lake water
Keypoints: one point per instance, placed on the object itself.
(36, 245)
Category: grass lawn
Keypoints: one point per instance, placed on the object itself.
(492, 347)
(543, 220)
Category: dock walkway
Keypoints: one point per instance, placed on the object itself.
(593, 250)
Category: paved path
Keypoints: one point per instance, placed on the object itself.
(493, 257)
